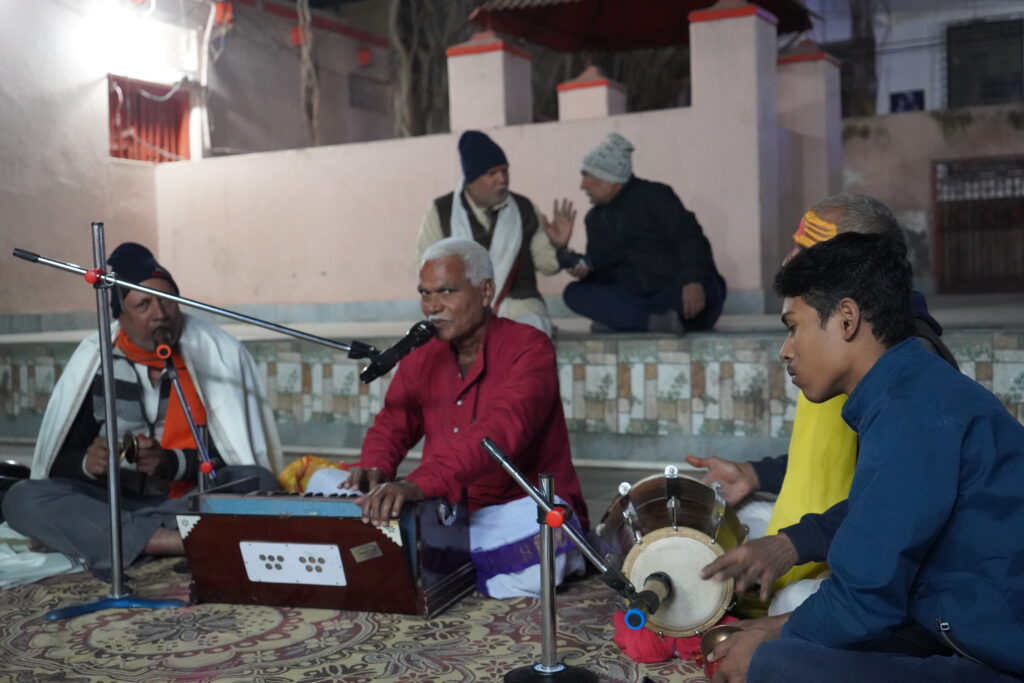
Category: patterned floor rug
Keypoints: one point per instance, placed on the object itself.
(478, 639)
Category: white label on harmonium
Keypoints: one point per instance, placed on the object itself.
(304, 563)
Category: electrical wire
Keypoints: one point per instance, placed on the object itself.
(154, 148)
(168, 95)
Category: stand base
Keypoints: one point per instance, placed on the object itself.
(566, 674)
(111, 603)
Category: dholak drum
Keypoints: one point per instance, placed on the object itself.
(675, 525)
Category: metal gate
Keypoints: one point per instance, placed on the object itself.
(979, 225)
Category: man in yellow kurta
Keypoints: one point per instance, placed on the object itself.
(813, 479)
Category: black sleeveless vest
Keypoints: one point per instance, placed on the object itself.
(524, 286)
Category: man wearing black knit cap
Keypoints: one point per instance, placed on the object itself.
(521, 241)
(64, 506)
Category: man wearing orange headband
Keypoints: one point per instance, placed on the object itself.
(814, 478)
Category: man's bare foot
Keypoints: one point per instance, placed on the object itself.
(165, 542)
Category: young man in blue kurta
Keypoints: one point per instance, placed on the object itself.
(928, 567)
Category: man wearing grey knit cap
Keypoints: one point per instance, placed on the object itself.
(648, 265)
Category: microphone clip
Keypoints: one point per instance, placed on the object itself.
(358, 349)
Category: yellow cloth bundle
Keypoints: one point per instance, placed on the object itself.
(295, 477)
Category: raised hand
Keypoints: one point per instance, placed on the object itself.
(559, 228)
(738, 479)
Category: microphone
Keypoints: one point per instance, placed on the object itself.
(418, 335)
(657, 589)
(162, 337)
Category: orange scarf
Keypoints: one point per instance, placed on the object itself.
(176, 431)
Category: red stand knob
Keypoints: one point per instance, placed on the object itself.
(93, 275)
(555, 518)
(206, 467)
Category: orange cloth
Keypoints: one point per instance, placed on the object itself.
(176, 430)
(177, 433)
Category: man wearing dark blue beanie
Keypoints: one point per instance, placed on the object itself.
(133, 262)
(479, 154)
(518, 237)
(63, 506)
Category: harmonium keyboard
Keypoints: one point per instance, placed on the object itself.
(315, 551)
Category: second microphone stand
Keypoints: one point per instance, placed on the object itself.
(551, 516)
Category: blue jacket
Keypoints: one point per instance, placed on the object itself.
(935, 528)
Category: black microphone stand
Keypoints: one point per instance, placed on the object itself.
(206, 468)
(120, 596)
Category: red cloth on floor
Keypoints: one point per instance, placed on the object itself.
(644, 645)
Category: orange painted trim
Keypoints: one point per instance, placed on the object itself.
(499, 46)
(809, 57)
(576, 85)
(732, 13)
(327, 25)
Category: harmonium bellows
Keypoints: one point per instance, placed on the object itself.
(315, 551)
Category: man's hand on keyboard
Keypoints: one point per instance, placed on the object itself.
(385, 500)
(362, 479)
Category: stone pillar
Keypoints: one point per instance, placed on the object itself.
(590, 95)
(811, 124)
(732, 69)
(488, 83)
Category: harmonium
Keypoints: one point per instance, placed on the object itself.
(295, 550)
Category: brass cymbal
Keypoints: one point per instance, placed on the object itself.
(129, 448)
(714, 635)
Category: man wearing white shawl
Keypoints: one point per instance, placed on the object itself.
(65, 504)
(520, 240)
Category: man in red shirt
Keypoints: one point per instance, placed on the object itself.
(481, 376)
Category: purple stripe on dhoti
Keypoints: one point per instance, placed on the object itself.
(517, 556)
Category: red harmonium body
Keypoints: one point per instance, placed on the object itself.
(315, 551)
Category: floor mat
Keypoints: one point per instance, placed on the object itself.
(479, 639)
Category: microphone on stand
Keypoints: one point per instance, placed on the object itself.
(656, 590)
(162, 337)
(418, 335)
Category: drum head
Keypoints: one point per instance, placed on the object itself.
(695, 604)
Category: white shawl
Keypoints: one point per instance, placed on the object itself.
(241, 421)
(505, 242)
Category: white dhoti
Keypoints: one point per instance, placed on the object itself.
(756, 513)
(505, 545)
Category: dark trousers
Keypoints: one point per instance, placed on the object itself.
(73, 517)
(794, 660)
(623, 311)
